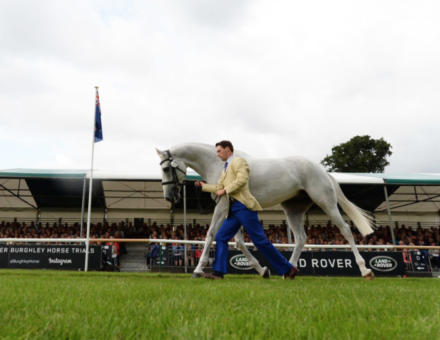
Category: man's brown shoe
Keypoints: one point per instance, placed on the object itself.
(211, 276)
(291, 275)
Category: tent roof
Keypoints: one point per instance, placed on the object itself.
(412, 179)
(62, 188)
(76, 173)
(42, 173)
(342, 178)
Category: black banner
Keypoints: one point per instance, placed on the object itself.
(337, 263)
(420, 260)
(4, 249)
(49, 257)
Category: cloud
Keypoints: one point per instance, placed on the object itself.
(276, 78)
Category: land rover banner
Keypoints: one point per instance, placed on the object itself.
(327, 263)
(49, 256)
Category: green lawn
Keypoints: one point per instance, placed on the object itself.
(96, 305)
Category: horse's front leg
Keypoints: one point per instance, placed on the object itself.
(205, 254)
(220, 213)
(263, 271)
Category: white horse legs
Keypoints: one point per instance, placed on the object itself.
(212, 231)
(346, 232)
(220, 213)
(204, 257)
(300, 240)
(295, 210)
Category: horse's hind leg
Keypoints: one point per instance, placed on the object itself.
(324, 195)
(295, 210)
(263, 271)
(335, 216)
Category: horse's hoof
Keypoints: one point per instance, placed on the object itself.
(266, 273)
(196, 275)
(369, 276)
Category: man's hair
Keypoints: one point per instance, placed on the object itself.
(225, 144)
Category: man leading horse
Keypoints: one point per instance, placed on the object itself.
(243, 207)
(296, 183)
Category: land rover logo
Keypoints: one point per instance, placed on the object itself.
(383, 263)
(240, 262)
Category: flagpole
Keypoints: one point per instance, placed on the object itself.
(86, 264)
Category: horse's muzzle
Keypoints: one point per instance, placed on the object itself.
(173, 197)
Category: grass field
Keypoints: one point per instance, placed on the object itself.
(96, 305)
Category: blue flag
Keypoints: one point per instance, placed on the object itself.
(98, 124)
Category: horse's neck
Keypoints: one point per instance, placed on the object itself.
(200, 157)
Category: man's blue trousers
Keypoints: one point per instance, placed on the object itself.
(240, 215)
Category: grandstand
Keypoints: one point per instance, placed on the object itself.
(48, 195)
(50, 203)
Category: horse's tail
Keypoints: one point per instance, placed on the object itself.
(360, 217)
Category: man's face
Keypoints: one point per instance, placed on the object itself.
(223, 153)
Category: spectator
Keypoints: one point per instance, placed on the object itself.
(152, 254)
(178, 254)
(115, 253)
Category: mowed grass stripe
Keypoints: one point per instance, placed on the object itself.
(96, 305)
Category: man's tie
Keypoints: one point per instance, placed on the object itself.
(226, 165)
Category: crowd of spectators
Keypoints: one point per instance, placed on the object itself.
(60, 230)
(330, 234)
(316, 234)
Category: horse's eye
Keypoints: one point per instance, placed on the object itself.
(166, 169)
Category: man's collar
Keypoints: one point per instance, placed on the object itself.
(230, 159)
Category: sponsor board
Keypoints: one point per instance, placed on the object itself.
(61, 262)
(240, 262)
(49, 257)
(420, 260)
(383, 263)
(327, 263)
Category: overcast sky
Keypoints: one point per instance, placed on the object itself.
(277, 78)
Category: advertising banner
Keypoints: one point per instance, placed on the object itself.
(4, 249)
(337, 263)
(49, 257)
(420, 260)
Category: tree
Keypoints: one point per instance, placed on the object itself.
(359, 154)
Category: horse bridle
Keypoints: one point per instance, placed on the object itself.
(174, 168)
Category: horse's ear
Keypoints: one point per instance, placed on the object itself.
(160, 153)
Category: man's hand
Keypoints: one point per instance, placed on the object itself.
(199, 184)
(220, 192)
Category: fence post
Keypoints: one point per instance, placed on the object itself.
(160, 258)
(390, 218)
(185, 257)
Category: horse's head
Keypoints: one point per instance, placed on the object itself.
(173, 175)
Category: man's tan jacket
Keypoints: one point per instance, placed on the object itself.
(235, 180)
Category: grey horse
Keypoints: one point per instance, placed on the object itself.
(294, 182)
